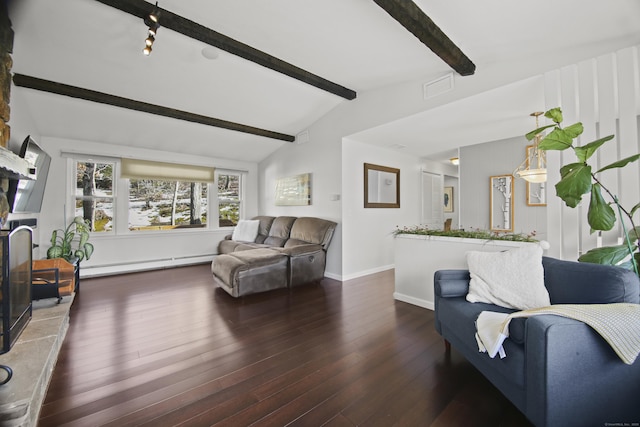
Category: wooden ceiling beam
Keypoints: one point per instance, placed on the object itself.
(167, 19)
(420, 25)
(117, 101)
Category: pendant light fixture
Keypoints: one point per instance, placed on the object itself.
(534, 166)
(151, 21)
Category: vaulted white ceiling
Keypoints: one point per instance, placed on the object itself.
(351, 42)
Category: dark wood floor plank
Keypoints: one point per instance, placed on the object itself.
(166, 348)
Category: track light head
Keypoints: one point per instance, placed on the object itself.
(152, 21)
(154, 16)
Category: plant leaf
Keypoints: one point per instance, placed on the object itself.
(621, 163)
(558, 139)
(88, 250)
(54, 237)
(600, 216)
(574, 131)
(576, 181)
(608, 255)
(634, 234)
(54, 252)
(79, 253)
(634, 209)
(587, 150)
(534, 132)
(554, 114)
(84, 238)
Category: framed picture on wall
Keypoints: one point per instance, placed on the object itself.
(448, 199)
(294, 190)
(501, 203)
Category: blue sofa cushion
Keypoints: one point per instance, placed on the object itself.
(570, 282)
(459, 316)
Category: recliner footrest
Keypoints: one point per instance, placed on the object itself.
(251, 271)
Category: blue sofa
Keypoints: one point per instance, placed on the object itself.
(558, 371)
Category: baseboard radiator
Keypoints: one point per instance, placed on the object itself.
(136, 266)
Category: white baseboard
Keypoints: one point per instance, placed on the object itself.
(108, 270)
(368, 272)
(415, 301)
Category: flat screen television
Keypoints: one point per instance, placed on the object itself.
(25, 195)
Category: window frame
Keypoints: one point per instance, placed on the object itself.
(70, 211)
(120, 188)
(241, 191)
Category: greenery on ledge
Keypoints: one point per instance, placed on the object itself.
(467, 234)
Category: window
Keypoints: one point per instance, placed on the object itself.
(163, 205)
(153, 196)
(229, 198)
(94, 195)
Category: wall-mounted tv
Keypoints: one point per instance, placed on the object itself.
(25, 195)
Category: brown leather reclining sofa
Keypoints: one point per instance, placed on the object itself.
(287, 251)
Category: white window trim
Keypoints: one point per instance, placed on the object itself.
(70, 206)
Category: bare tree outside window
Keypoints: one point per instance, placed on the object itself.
(94, 194)
(228, 199)
(166, 205)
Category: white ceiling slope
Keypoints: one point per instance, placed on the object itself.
(351, 42)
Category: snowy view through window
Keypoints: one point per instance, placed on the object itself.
(157, 205)
(153, 204)
(94, 194)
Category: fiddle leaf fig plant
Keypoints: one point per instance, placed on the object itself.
(75, 235)
(579, 178)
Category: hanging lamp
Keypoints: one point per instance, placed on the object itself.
(534, 166)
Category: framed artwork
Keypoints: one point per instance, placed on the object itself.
(448, 199)
(294, 190)
(381, 186)
(501, 203)
(536, 191)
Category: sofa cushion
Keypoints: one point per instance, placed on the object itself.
(312, 230)
(265, 226)
(571, 282)
(458, 317)
(280, 230)
(246, 230)
(512, 279)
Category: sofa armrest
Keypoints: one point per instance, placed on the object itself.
(451, 283)
(573, 377)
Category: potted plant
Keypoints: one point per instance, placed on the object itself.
(578, 179)
(63, 242)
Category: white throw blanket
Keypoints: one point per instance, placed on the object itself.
(618, 324)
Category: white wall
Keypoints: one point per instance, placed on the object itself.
(481, 161)
(604, 94)
(139, 250)
(322, 154)
(368, 244)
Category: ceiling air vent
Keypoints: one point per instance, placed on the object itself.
(438, 86)
(302, 137)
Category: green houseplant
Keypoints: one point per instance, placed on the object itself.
(579, 178)
(75, 235)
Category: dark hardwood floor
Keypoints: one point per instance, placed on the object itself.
(166, 348)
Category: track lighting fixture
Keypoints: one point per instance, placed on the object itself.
(151, 21)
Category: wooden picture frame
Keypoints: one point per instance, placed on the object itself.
(381, 186)
(448, 199)
(501, 203)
